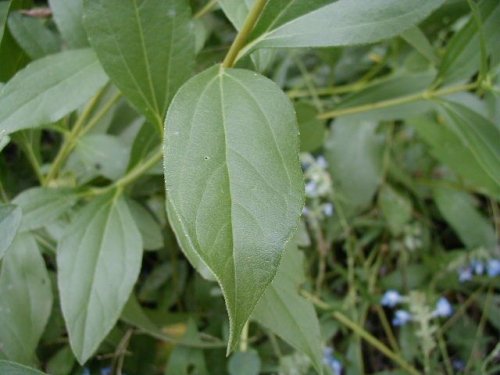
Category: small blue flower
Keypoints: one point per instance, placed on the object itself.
(311, 189)
(401, 317)
(305, 211)
(478, 267)
(106, 371)
(328, 209)
(86, 371)
(331, 362)
(464, 274)
(458, 364)
(391, 298)
(493, 268)
(322, 163)
(443, 308)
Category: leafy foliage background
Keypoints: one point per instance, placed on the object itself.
(249, 187)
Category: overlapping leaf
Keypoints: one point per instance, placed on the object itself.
(98, 259)
(146, 47)
(49, 88)
(233, 180)
(26, 300)
(10, 220)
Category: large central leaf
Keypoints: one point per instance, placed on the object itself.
(234, 184)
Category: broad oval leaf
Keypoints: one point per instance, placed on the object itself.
(10, 220)
(41, 206)
(348, 22)
(11, 368)
(233, 180)
(49, 88)
(286, 313)
(146, 47)
(98, 260)
(26, 300)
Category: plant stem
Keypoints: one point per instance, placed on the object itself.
(244, 338)
(360, 331)
(206, 9)
(239, 41)
(78, 130)
(427, 94)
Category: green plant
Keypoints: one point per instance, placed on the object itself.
(325, 153)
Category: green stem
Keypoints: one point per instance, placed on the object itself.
(427, 94)
(78, 130)
(206, 9)
(239, 41)
(244, 338)
(360, 331)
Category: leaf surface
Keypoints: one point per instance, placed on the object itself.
(68, 16)
(49, 88)
(41, 206)
(233, 180)
(26, 300)
(98, 258)
(10, 220)
(286, 313)
(146, 47)
(11, 368)
(348, 22)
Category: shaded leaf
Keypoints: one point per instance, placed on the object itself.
(459, 210)
(244, 363)
(98, 259)
(151, 233)
(233, 180)
(286, 313)
(449, 148)
(312, 130)
(42, 206)
(26, 300)
(10, 220)
(348, 22)
(354, 153)
(11, 368)
(462, 57)
(146, 47)
(396, 208)
(68, 16)
(49, 88)
(33, 37)
(418, 40)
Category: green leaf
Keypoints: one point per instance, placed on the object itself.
(146, 47)
(10, 220)
(233, 179)
(462, 57)
(460, 212)
(4, 140)
(99, 155)
(348, 22)
(450, 147)
(42, 206)
(26, 300)
(418, 40)
(33, 37)
(11, 368)
(68, 16)
(286, 313)
(478, 134)
(396, 207)
(151, 233)
(244, 363)
(62, 362)
(354, 153)
(49, 88)
(312, 130)
(98, 259)
(4, 13)
(185, 360)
